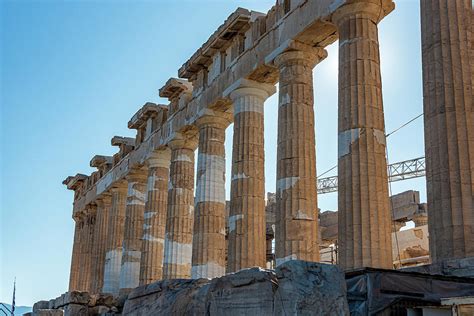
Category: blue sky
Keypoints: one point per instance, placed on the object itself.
(74, 72)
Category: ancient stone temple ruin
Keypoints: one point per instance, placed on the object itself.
(152, 237)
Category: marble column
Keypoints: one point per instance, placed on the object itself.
(113, 249)
(247, 233)
(208, 259)
(87, 241)
(153, 243)
(364, 219)
(133, 231)
(76, 252)
(296, 191)
(100, 240)
(447, 56)
(180, 215)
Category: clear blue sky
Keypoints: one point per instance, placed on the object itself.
(74, 72)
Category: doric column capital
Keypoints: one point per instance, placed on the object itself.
(137, 175)
(79, 216)
(310, 55)
(183, 142)
(375, 10)
(159, 159)
(104, 200)
(91, 209)
(216, 119)
(119, 187)
(246, 87)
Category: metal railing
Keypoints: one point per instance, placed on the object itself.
(403, 170)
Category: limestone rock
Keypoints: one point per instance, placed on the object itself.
(48, 312)
(73, 297)
(40, 305)
(76, 310)
(169, 297)
(309, 288)
(247, 292)
(102, 299)
(295, 288)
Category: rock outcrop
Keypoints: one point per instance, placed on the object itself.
(294, 288)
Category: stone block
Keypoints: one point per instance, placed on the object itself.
(102, 299)
(295, 288)
(405, 205)
(73, 297)
(309, 288)
(168, 297)
(99, 310)
(48, 312)
(76, 310)
(40, 305)
(76, 297)
(328, 218)
(247, 292)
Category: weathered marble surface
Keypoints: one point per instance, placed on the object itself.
(294, 288)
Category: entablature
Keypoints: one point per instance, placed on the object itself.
(147, 120)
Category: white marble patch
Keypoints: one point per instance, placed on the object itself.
(239, 176)
(183, 157)
(380, 137)
(209, 270)
(302, 215)
(210, 185)
(250, 104)
(284, 99)
(285, 259)
(134, 196)
(286, 183)
(113, 262)
(149, 214)
(150, 186)
(153, 239)
(129, 275)
(345, 139)
(232, 221)
(177, 253)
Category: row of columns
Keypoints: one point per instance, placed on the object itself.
(154, 227)
(192, 242)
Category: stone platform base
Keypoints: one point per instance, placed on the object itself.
(294, 288)
(76, 304)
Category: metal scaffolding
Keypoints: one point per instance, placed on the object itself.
(408, 169)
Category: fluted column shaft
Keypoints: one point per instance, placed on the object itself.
(113, 250)
(76, 253)
(180, 215)
(246, 239)
(100, 240)
(133, 231)
(208, 259)
(87, 241)
(447, 51)
(296, 191)
(364, 234)
(153, 243)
